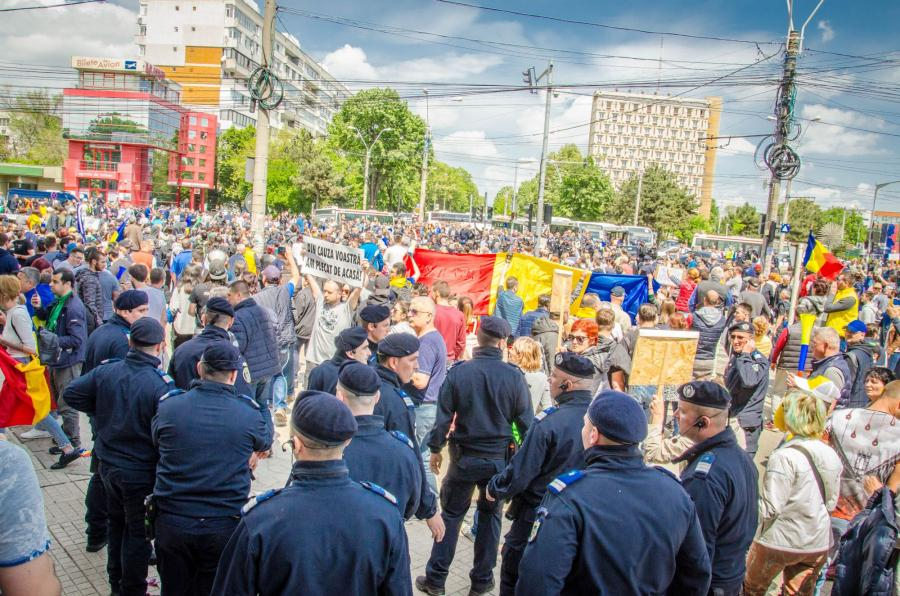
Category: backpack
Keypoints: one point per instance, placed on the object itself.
(867, 557)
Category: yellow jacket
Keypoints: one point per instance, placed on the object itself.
(838, 320)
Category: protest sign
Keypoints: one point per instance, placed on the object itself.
(663, 357)
(328, 260)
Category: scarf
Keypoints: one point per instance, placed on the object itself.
(55, 310)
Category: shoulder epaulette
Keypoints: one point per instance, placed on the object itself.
(704, 464)
(261, 498)
(561, 482)
(110, 360)
(406, 398)
(668, 473)
(402, 438)
(249, 399)
(171, 393)
(379, 491)
(545, 412)
(164, 376)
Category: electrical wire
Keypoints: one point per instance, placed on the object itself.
(41, 7)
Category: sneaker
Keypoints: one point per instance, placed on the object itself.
(473, 591)
(95, 545)
(467, 532)
(34, 433)
(422, 585)
(280, 418)
(54, 450)
(65, 459)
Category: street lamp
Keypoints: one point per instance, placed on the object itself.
(368, 146)
(872, 218)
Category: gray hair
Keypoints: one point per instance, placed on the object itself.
(716, 274)
(827, 335)
(363, 399)
(33, 275)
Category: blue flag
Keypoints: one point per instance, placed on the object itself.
(79, 219)
(120, 232)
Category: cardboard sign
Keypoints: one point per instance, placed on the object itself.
(663, 357)
(333, 261)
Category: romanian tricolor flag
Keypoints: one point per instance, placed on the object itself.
(25, 392)
(819, 260)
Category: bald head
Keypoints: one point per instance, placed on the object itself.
(711, 299)
(421, 314)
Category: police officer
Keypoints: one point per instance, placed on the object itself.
(389, 459)
(747, 380)
(208, 440)
(323, 533)
(217, 318)
(486, 395)
(376, 321)
(352, 344)
(721, 479)
(108, 341)
(551, 447)
(121, 396)
(618, 526)
(398, 359)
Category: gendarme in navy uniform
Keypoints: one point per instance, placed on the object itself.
(747, 380)
(618, 526)
(486, 396)
(206, 437)
(376, 321)
(721, 479)
(397, 361)
(122, 396)
(551, 447)
(324, 533)
(351, 344)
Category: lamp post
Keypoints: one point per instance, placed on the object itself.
(368, 146)
(872, 218)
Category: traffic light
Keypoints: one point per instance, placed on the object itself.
(762, 225)
(527, 77)
(490, 213)
(548, 214)
(530, 215)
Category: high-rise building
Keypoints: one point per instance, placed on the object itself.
(211, 47)
(630, 132)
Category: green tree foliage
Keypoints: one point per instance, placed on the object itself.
(159, 175)
(103, 126)
(235, 145)
(803, 215)
(301, 173)
(666, 206)
(855, 229)
(742, 221)
(449, 188)
(503, 200)
(36, 135)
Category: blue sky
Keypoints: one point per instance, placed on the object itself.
(846, 104)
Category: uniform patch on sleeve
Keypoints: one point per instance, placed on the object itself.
(705, 463)
(402, 438)
(260, 498)
(249, 400)
(406, 399)
(545, 412)
(171, 393)
(541, 515)
(380, 491)
(110, 360)
(561, 482)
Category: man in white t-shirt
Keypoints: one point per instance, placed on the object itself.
(395, 252)
(333, 317)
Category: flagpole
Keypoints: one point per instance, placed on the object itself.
(795, 284)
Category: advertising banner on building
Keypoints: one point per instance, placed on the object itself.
(328, 260)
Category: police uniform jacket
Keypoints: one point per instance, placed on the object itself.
(722, 480)
(390, 460)
(616, 527)
(324, 377)
(395, 405)
(322, 534)
(747, 380)
(486, 395)
(205, 437)
(108, 341)
(183, 365)
(122, 397)
(552, 446)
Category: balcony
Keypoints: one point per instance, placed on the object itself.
(98, 169)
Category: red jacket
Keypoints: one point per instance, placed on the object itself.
(684, 294)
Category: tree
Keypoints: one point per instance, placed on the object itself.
(449, 188)
(855, 230)
(803, 215)
(36, 135)
(585, 192)
(103, 126)
(742, 221)
(301, 175)
(503, 200)
(235, 145)
(666, 206)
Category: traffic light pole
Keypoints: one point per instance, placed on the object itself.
(539, 228)
(261, 163)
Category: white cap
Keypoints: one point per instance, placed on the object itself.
(821, 388)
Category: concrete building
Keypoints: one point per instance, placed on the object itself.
(630, 132)
(211, 47)
(30, 177)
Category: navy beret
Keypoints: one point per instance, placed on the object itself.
(575, 365)
(323, 417)
(147, 331)
(220, 305)
(399, 345)
(350, 339)
(496, 327)
(741, 327)
(130, 299)
(619, 417)
(706, 394)
(359, 378)
(222, 355)
(375, 313)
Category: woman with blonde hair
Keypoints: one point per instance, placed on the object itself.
(800, 489)
(686, 289)
(526, 354)
(761, 335)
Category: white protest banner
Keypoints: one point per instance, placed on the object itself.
(328, 260)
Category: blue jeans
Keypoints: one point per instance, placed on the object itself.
(51, 425)
(283, 384)
(425, 418)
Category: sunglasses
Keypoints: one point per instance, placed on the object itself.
(578, 339)
(414, 312)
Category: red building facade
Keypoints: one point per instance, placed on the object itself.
(193, 168)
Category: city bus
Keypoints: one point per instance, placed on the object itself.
(335, 215)
(449, 217)
(616, 234)
(717, 243)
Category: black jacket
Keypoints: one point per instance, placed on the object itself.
(256, 339)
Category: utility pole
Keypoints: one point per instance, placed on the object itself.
(782, 160)
(637, 203)
(532, 81)
(425, 159)
(369, 147)
(512, 195)
(872, 218)
(261, 163)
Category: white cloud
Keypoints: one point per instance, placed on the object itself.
(827, 31)
(349, 63)
(736, 146)
(832, 137)
(470, 142)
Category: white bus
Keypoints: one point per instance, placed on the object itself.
(715, 242)
(616, 234)
(335, 215)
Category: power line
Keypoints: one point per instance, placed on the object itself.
(39, 7)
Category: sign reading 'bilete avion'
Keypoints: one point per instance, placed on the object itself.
(333, 261)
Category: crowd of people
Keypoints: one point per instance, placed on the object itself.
(189, 351)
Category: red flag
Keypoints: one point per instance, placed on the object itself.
(469, 275)
(16, 406)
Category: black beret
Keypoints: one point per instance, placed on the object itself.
(375, 313)
(742, 327)
(359, 378)
(706, 394)
(619, 417)
(350, 339)
(147, 331)
(323, 417)
(496, 327)
(219, 304)
(575, 365)
(222, 355)
(399, 345)
(130, 299)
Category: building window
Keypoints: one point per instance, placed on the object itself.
(176, 29)
(202, 148)
(195, 9)
(201, 176)
(187, 175)
(204, 122)
(202, 163)
(177, 8)
(193, 120)
(192, 134)
(203, 134)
